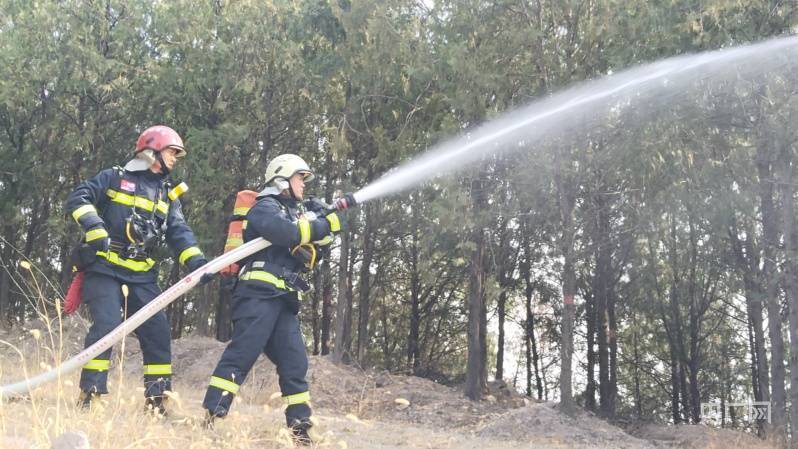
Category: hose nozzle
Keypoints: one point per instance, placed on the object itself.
(345, 201)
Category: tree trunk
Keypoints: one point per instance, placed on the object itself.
(590, 322)
(326, 311)
(413, 349)
(770, 242)
(785, 174)
(638, 401)
(174, 311)
(475, 365)
(364, 303)
(747, 262)
(567, 198)
(501, 312)
(675, 410)
(343, 313)
(315, 322)
(224, 315)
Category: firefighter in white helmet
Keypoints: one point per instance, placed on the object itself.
(267, 296)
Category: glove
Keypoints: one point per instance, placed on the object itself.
(207, 277)
(195, 262)
(317, 206)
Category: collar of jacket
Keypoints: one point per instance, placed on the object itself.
(286, 201)
(148, 175)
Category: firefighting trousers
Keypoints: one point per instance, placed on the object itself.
(262, 326)
(107, 305)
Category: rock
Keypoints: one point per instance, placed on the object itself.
(491, 398)
(401, 403)
(71, 440)
(383, 379)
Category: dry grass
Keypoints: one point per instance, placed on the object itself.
(119, 420)
(352, 409)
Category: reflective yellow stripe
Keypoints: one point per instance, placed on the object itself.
(223, 384)
(97, 365)
(233, 242)
(136, 201)
(241, 211)
(325, 241)
(335, 223)
(96, 234)
(134, 265)
(299, 398)
(304, 231)
(177, 191)
(83, 210)
(189, 253)
(155, 370)
(264, 276)
(244, 224)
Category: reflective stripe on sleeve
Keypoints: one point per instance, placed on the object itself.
(335, 223)
(177, 191)
(83, 210)
(188, 253)
(96, 234)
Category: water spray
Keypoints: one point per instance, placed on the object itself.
(575, 107)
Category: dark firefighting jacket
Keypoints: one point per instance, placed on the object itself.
(102, 205)
(273, 271)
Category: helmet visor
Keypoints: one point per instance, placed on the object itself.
(179, 151)
(307, 176)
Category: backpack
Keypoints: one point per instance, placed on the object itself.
(245, 199)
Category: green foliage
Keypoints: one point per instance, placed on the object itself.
(360, 87)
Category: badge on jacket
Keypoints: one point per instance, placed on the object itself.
(128, 186)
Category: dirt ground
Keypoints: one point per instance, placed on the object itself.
(353, 408)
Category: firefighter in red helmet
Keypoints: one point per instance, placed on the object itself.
(125, 213)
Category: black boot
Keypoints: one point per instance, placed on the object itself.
(207, 423)
(156, 405)
(85, 399)
(299, 431)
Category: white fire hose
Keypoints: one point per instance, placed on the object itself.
(129, 325)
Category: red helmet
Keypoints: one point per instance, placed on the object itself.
(158, 138)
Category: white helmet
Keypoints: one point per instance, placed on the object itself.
(283, 167)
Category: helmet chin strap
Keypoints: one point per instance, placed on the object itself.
(283, 184)
(164, 168)
(291, 191)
